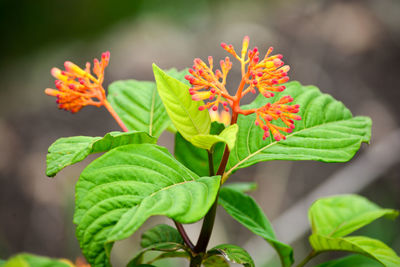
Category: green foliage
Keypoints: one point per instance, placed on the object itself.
(136, 179)
(30, 260)
(160, 238)
(358, 244)
(352, 261)
(227, 136)
(333, 218)
(195, 158)
(341, 215)
(182, 110)
(215, 261)
(233, 254)
(159, 234)
(118, 192)
(70, 150)
(139, 106)
(327, 131)
(246, 211)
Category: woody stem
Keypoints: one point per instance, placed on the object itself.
(209, 219)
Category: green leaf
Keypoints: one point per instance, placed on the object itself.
(70, 150)
(215, 261)
(341, 215)
(227, 136)
(170, 249)
(182, 110)
(162, 237)
(327, 131)
(30, 260)
(195, 158)
(352, 261)
(117, 192)
(159, 234)
(233, 254)
(246, 211)
(241, 186)
(357, 244)
(139, 106)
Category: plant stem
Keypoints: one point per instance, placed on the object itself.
(311, 255)
(115, 115)
(196, 261)
(210, 163)
(208, 222)
(206, 229)
(184, 235)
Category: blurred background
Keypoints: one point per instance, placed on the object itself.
(349, 49)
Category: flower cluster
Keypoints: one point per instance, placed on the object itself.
(203, 77)
(266, 75)
(275, 111)
(77, 88)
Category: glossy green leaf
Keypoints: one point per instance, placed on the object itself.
(195, 158)
(70, 150)
(162, 237)
(170, 249)
(327, 131)
(358, 244)
(233, 254)
(117, 192)
(159, 234)
(30, 260)
(241, 186)
(352, 261)
(182, 110)
(227, 136)
(215, 261)
(139, 106)
(246, 211)
(341, 215)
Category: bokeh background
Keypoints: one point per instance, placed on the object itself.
(349, 49)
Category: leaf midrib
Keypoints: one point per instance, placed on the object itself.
(275, 142)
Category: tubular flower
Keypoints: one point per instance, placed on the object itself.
(212, 84)
(275, 111)
(266, 75)
(77, 88)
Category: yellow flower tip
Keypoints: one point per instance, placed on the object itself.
(51, 92)
(245, 45)
(56, 73)
(72, 68)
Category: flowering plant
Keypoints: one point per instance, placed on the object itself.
(136, 178)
